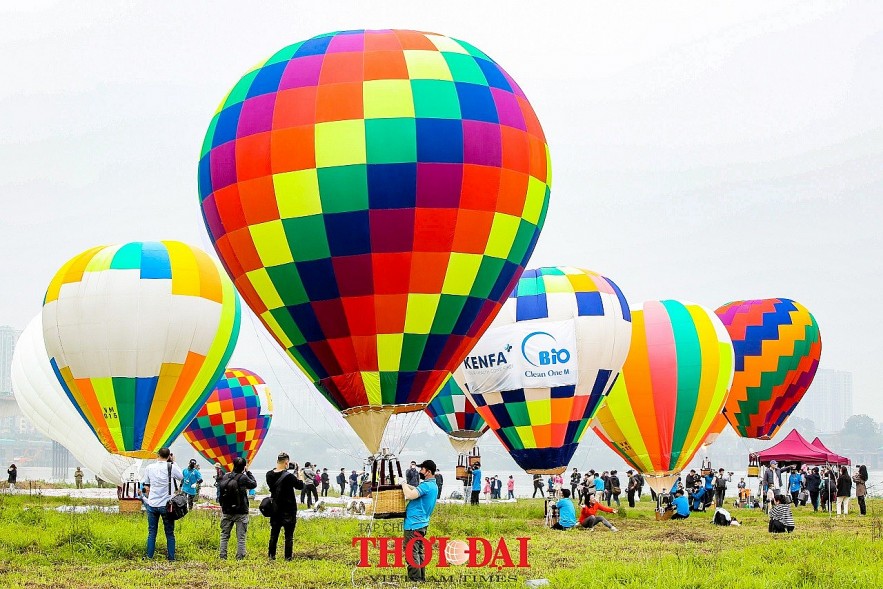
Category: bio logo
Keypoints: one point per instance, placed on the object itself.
(546, 357)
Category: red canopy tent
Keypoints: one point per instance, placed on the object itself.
(795, 448)
(833, 458)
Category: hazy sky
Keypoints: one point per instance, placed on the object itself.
(700, 152)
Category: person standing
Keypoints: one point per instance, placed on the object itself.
(538, 486)
(439, 481)
(599, 483)
(422, 500)
(631, 487)
(720, 488)
(78, 477)
(476, 483)
(860, 479)
(341, 481)
(575, 478)
(326, 482)
(159, 481)
(192, 478)
(282, 484)
(12, 476)
(354, 483)
(613, 488)
(813, 484)
(844, 490)
(309, 485)
(640, 480)
(412, 477)
(234, 506)
(795, 484)
(510, 487)
(219, 474)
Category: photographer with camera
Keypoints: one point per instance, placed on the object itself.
(282, 482)
(157, 483)
(234, 506)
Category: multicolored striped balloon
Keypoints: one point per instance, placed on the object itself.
(541, 426)
(455, 415)
(717, 427)
(374, 195)
(234, 420)
(673, 385)
(778, 346)
(137, 335)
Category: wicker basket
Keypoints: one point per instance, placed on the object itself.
(130, 505)
(389, 503)
(461, 473)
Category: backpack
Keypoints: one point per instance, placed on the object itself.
(230, 497)
(267, 506)
(721, 482)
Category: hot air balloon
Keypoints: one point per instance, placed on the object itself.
(778, 346)
(137, 335)
(374, 195)
(673, 384)
(716, 429)
(547, 361)
(455, 415)
(234, 420)
(45, 404)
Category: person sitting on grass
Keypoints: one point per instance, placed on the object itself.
(781, 518)
(588, 517)
(566, 512)
(680, 505)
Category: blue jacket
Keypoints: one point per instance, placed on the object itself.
(476, 480)
(192, 477)
(566, 513)
(681, 505)
(795, 481)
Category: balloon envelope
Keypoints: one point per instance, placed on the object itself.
(234, 420)
(547, 361)
(673, 384)
(778, 347)
(373, 195)
(453, 412)
(137, 335)
(45, 404)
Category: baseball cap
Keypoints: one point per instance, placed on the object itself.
(428, 465)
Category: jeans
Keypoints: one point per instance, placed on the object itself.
(416, 573)
(275, 527)
(535, 489)
(591, 521)
(511, 494)
(342, 489)
(227, 521)
(153, 516)
(814, 499)
(325, 489)
(719, 495)
(311, 495)
(352, 490)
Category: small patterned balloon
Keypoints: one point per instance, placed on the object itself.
(234, 420)
(778, 347)
(455, 415)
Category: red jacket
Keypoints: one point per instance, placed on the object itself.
(585, 512)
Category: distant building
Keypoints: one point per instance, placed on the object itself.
(8, 337)
(828, 402)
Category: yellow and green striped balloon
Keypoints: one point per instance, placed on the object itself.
(674, 383)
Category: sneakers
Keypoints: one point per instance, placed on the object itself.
(614, 529)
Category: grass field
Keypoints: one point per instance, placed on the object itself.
(41, 547)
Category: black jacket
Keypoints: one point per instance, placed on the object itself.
(844, 486)
(245, 481)
(813, 481)
(283, 494)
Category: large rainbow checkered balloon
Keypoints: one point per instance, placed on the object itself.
(453, 412)
(549, 359)
(672, 388)
(374, 195)
(234, 420)
(778, 346)
(137, 335)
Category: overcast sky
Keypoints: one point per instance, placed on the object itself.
(700, 152)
